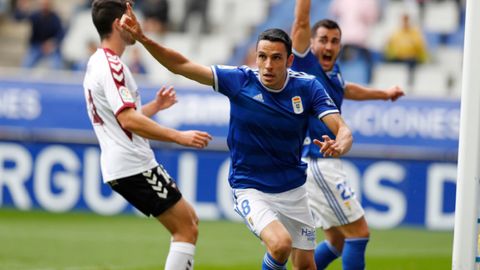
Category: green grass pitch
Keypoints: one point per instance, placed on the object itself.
(83, 241)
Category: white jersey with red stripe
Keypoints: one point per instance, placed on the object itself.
(110, 88)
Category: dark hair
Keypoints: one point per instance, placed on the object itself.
(329, 24)
(277, 35)
(104, 12)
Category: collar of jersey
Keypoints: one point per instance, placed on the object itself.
(109, 51)
(274, 90)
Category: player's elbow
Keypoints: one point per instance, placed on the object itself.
(302, 22)
(126, 118)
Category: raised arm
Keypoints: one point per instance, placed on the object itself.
(343, 141)
(359, 92)
(301, 26)
(145, 127)
(170, 59)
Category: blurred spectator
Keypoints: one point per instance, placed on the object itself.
(79, 40)
(155, 14)
(46, 33)
(406, 44)
(196, 9)
(251, 57)
(135, 61)
(81, 65)
(356, 19)
(4, 7)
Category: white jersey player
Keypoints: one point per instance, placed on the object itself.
(123, 127)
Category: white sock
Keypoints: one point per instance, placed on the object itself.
(180, 256)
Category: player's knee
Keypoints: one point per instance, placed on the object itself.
(337, 242)
(361, 231)
(304, 265)
(193, 230)
(187, 232)
(281, 247)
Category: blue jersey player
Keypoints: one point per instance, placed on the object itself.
(270, 109)
(333, 203)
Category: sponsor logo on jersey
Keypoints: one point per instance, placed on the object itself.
(309, 233)
(297, 104)
(250, 221)
(125, 94)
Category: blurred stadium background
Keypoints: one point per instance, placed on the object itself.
(52, 202)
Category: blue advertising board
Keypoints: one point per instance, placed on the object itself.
(402, 165)
(65, 177)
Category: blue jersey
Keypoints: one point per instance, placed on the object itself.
(267, 127)
(334, 85)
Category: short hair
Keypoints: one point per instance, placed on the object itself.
(327, 23)
(277, 35)
(104, 12)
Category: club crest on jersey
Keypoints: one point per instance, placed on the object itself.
(297, 105)
(125, 94)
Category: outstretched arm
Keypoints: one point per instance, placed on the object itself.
(170, 59)
(145, 127)
(359, 92)
(343, 141)
(301, 26)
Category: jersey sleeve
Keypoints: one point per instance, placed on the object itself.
(322, 103)
(228, 80)
(305, 62)
(118, 95)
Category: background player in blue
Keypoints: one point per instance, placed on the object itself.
(333, 203)
(270, 108)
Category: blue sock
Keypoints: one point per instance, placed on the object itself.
(270, 263)
(353, 256)
(325, 253)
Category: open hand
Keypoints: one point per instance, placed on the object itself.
(165, 98)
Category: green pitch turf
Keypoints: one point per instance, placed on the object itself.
(82, 241)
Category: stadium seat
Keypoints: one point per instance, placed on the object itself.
(430, 81)
(389, 74)
(441, 17)
(456, 87)
(176, 12)
(81, 32)
(214, 49)
(449, 58)
(236, 18)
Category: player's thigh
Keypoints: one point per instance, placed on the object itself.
(331, 199)
(303, 259)
(256, 208)
(180, 218)
(356, 229)
(277, 238)
(294, 213)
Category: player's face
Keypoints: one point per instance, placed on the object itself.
(326, 46)
(272, 62)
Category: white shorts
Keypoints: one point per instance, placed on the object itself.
(259, 209)
(332, 201)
